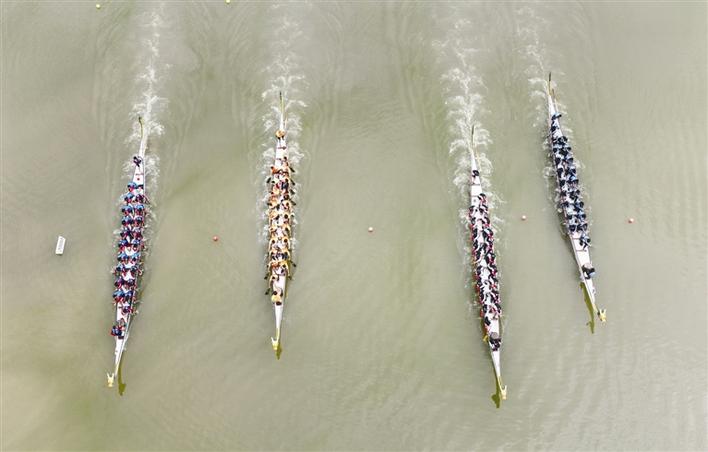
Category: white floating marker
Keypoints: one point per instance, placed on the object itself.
(370, 229)
(61, 241)
(98, 6)
(630, 220)
(228, 2)
(524, 217)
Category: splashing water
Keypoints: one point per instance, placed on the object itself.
(536, 55)
(285, 77)
(464, 88)
(149, 106)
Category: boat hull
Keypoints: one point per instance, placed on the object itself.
(133, 274)
(280, 221)
(581, 253)
(485, 275)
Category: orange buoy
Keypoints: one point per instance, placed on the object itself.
(215, 238)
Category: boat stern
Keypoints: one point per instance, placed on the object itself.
(496, 361)
(275, 342)
(589, 290)
(502, 389)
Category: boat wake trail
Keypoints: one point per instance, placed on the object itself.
(538, 57)
(150, 105)
(463, 92)
(136, 208)
(285, 76)
(463, 89)
(535, 54)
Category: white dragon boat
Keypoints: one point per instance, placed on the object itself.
(280, 220)
(131, 245)
(570, 205)
(485, 273)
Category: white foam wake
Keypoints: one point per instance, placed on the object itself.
(534, 53)
(531, 20)
(149, 105)
(464, 90)
(285, 76)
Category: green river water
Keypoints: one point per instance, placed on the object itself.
(382, 344)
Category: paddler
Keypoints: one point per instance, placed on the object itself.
(116, 331)
(588, 271)
(494, 340)
(287, 164)
(276, 298)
